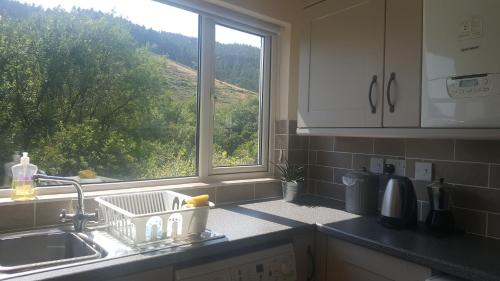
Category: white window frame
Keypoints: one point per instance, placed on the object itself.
(207, 90)
(209, 16)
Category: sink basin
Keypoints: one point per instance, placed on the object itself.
(35, 249)
(26, 252)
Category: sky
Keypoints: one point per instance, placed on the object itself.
(153, 15)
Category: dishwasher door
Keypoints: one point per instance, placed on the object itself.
(443, 277)
(277, 264)
(163, 274)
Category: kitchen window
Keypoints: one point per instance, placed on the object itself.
(122, 91)
(238, 118)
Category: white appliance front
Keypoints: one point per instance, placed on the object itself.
(461, 64)
(272, 264)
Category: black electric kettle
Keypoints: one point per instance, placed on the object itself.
(399, 205)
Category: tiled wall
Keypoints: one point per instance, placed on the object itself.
(26, 215)
(289, 144)
(472, 167)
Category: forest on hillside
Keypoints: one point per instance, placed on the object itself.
(88, 90)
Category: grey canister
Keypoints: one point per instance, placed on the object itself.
(361, 192)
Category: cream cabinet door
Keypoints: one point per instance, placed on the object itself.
(403, 61)
(349, 262)
(342, 58)
(309, 3)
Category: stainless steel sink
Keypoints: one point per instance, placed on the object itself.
(36, 249)
(30, 252)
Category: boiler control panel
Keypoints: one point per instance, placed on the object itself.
(473, 86)
(274, 264)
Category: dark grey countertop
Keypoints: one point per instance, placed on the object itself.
(467, 256)
(251, 224)
(254, 219)
(471, 257)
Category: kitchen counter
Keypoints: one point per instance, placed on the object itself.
(245, 226)
(256, 219)
(470, 257)
(251, 224)
(461, 255)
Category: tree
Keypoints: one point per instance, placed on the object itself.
(235, 133)
(80, 93)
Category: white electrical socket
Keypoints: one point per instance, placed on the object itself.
(423, 171)
(377, 165)
(399, 166)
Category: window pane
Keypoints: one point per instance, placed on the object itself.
(237, 98)
(102, 85)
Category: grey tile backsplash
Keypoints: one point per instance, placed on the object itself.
(232, 194)
(17, 216)
(429, 149)
(360, 145)
(472, 167)
(495, 176)
(31, 214)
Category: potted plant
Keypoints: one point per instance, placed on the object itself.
(292, 180)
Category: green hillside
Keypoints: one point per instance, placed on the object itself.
(182, 81)
(236, 64)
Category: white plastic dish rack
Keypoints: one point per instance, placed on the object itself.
(139, 218)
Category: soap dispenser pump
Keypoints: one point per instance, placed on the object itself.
(22, 179)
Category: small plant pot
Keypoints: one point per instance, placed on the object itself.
(292, 190)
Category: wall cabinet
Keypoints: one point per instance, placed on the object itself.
(309, 3)
(403, 60)
(360, 64)
(346, 262)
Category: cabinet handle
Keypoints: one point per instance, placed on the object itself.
(374, 81)
(389, 84)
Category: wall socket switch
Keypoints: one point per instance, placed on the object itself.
(423, 171)
(399, 166)
(377, 165)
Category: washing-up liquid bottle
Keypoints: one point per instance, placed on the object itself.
(22, 179)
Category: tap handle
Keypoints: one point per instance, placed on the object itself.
(63, 215)
(94, 216)
(91, 216)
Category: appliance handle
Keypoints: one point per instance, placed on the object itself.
(406, 201)
(372, 105)
(313, 264)
(388, 94)
(410, 198)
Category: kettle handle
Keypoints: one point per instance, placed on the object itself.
(410, 205)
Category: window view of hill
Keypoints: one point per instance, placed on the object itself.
(89, 90)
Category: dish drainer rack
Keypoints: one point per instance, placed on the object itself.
(138, 218)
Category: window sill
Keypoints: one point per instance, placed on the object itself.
(48, 194)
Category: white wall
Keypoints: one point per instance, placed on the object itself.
(285, 13)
